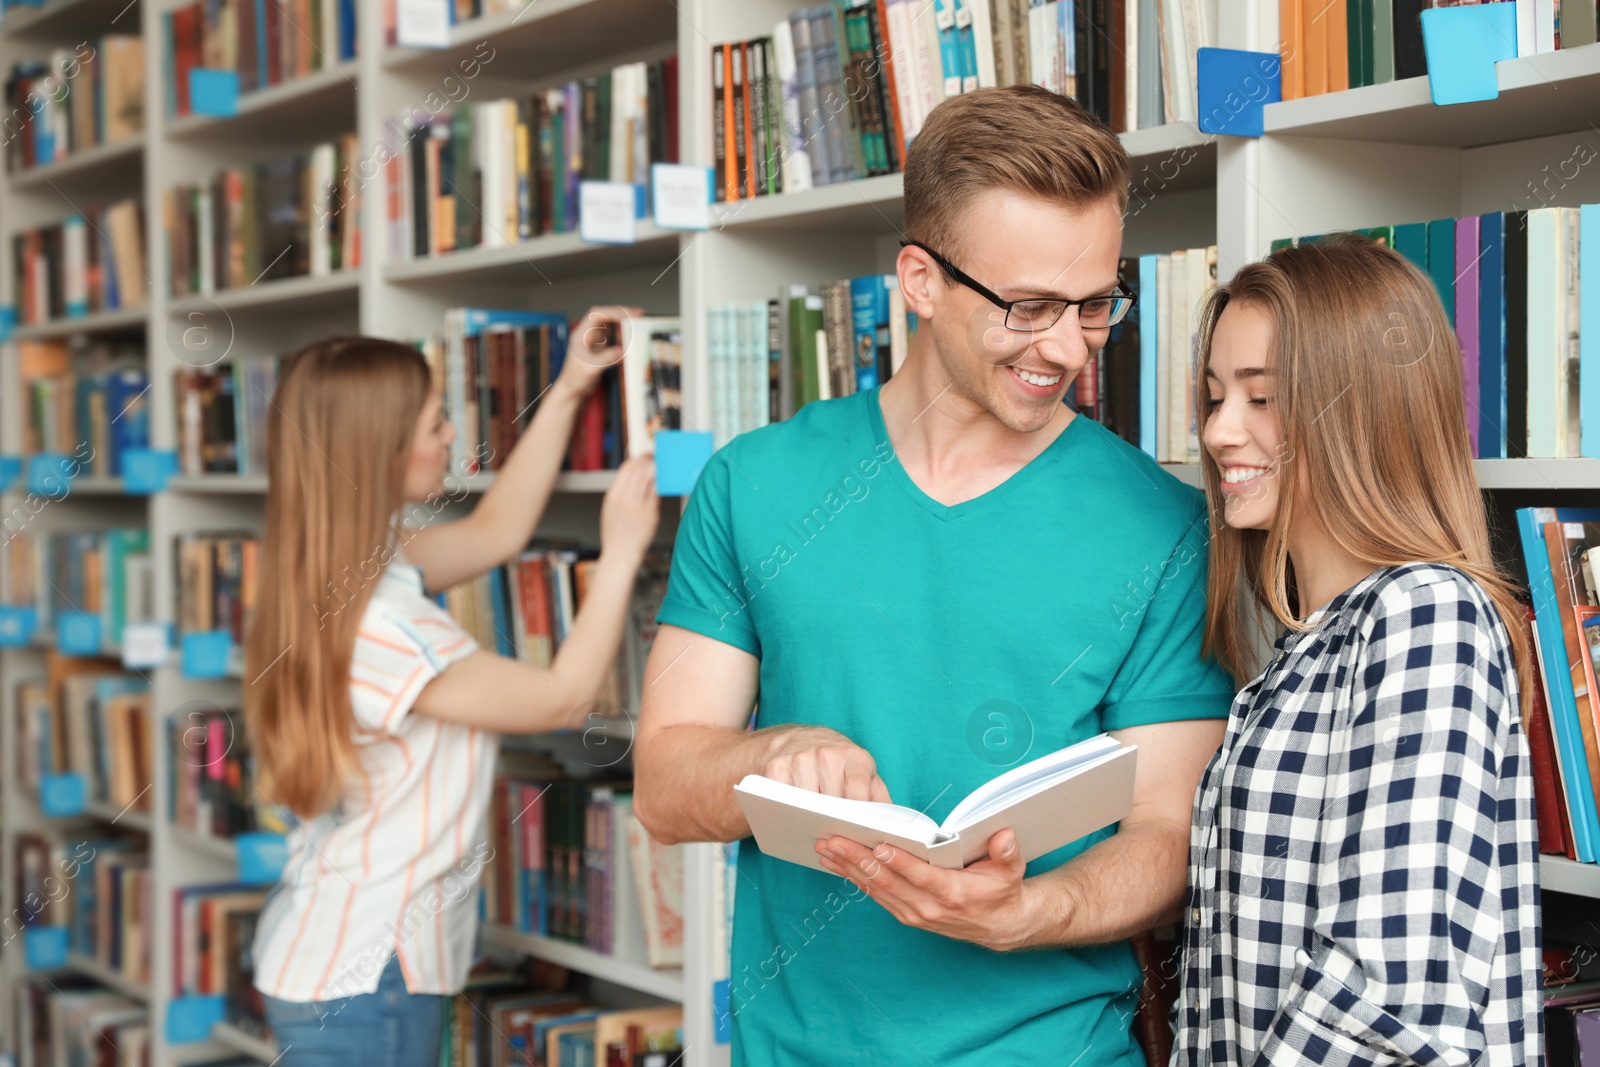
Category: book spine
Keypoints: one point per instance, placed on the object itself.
(1492, 339)
(1467, 323)
(743, 180)
(1589, 317)
(1543, 317)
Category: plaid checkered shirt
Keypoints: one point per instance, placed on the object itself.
(1363, 861)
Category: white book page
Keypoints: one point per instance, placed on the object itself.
(1027, 779)
(885, 818)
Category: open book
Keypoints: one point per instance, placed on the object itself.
(1049, 802)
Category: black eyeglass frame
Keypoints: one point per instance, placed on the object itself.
(1122, 291)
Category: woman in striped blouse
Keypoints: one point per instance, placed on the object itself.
(374, 717)
(1363, 878)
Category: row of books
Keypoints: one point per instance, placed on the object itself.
(1172, 287)
(264, 42)
(492, 367)
(526, 608)
(90, 262)
(213, 927)
(211, 779)
(285, 218)
(70, 1020)
(524, 1015)
(1558, 550)
(90, 718)
(494, 172)
(845, 336)
(104, 573)
(1328, 47)
(839, 89)
(99, 890)
(571, 862)
(1512, 286)
(222, 416)
(84, 393)
(740, 343)
(77, 99)
(216, 583)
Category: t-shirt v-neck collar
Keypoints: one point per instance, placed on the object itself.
(947, 512)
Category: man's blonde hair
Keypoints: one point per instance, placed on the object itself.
(1023, 138)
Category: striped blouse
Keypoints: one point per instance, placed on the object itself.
(393, 869)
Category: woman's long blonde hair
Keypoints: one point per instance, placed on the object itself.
(1368, 391)
(339, 438)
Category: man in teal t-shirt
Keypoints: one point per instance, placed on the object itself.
(922, 585)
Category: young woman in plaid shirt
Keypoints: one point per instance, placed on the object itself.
(1363, 873)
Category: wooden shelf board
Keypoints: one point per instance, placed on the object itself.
(106, 161)
(244, 1042)
(99, 322)
(666, 983)
(325, 99)
(546, 36)
(1550, 93)
(537, 259)
(1560, 875)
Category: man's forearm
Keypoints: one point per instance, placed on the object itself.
(683, 779)
(1127, 883)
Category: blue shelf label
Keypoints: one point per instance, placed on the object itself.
(146, 470)
(1233, 86)
(261, 857)
(205, 654)
(44, 948)
(213, 92)
(680, 456)
(191, 1018)
(8, 321)
(1462, 45)
(10, 471)
(63, 795)
(78, 634)
(49, 473)
(17, 625)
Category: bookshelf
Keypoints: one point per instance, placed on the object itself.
(1364, 157)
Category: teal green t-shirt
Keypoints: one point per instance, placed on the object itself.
(952, 643)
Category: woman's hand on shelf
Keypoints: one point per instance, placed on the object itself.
(630, 511)
(592, 347)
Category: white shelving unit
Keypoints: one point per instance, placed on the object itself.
(1371, 156)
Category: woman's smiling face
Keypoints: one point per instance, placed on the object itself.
(1241, 432)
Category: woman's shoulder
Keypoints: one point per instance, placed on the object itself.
(1424, 602)
(400, 618)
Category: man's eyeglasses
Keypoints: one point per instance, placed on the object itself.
(1031, 316)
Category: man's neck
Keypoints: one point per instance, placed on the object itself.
(953, 448)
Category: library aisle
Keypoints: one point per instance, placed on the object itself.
(195, 189)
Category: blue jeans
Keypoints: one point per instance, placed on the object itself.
(392, 1026)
